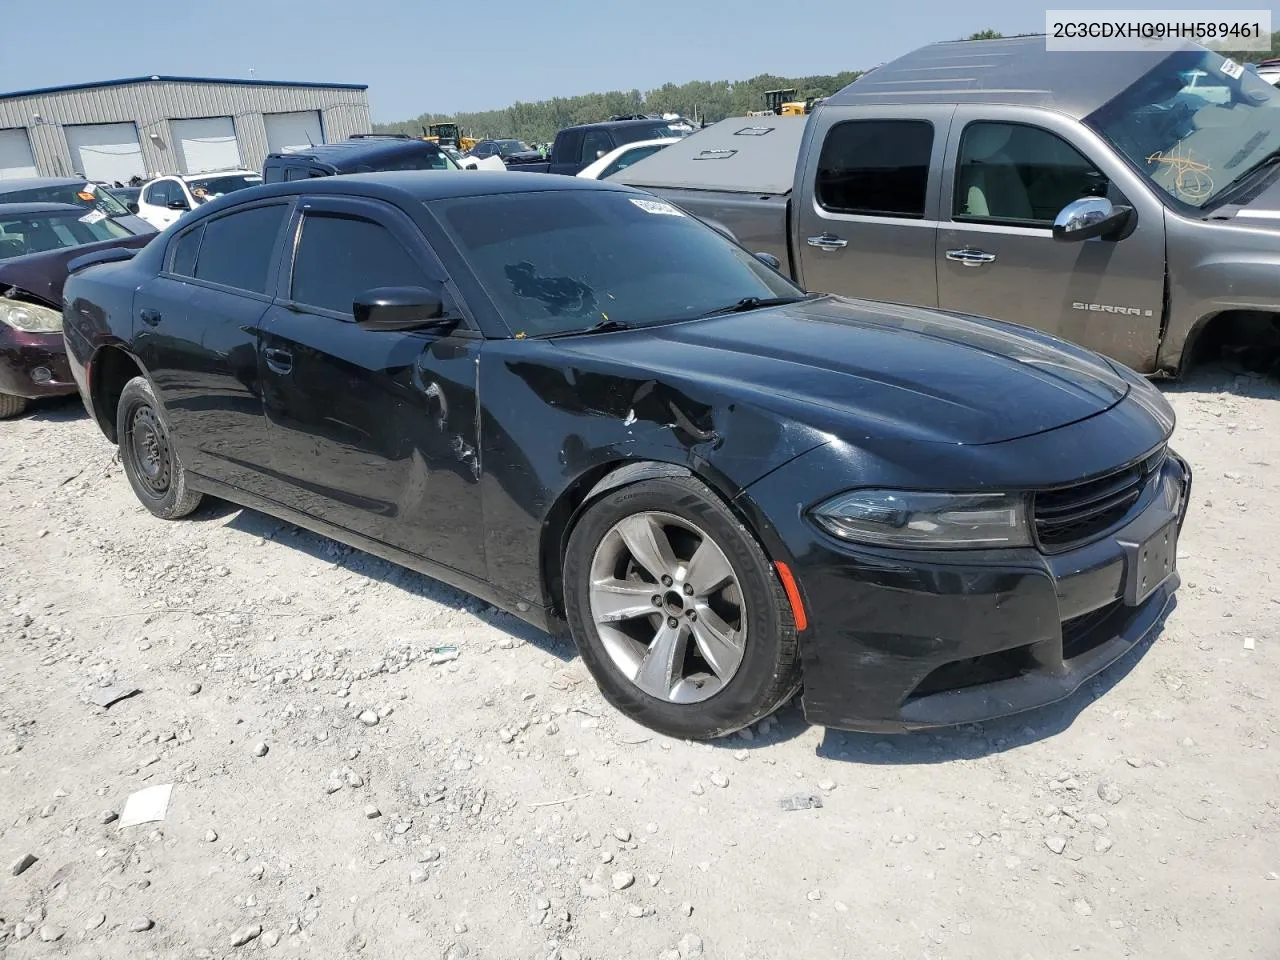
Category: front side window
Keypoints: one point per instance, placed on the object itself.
(876, 167)
(1194, 126)
(560, 261)
(340, 257)
(1013, 173)
(237, 248)
(595, 145)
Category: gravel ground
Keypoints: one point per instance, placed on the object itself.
(367, 763)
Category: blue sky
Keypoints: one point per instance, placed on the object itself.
(483, 54)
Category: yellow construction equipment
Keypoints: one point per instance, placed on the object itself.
(448, 134)
(783, 103)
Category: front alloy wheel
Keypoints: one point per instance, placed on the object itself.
(676, 610)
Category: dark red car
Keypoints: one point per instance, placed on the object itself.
(37, 241)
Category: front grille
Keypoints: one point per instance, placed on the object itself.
(1069, 516)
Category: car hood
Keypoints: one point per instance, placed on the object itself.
(858, 369)
(524, 156)
(41, 275)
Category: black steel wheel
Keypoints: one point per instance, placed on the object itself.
(149, 460)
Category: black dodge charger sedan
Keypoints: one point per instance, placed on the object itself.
(579, 403)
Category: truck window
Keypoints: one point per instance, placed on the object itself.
(876, 168)
(595, 145)
(1014, 173)
(567, 146)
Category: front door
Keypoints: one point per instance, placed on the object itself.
(196, 327)
(868, 230)
(374, 431)
(996, 254)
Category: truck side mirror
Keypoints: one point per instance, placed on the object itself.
(1091, 217)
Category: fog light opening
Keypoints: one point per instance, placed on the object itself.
(41, 374)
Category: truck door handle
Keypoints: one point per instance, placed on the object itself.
(150, 317)
(281, 361)
(828, 242)
(970, 257)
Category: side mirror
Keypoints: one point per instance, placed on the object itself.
(1090, 217)
(401, 308)
(179, 205)
(132, 206)
(769, 260)
(600, 153)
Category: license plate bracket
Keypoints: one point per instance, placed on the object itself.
(1150, 564)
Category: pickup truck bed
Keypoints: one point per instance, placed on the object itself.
(736, 175)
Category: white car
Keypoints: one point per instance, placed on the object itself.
(167, 198)
(624, 156)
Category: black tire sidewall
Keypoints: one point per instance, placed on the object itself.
(138, 393)
(768, 661)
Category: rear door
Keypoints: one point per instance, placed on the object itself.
(196, 328)
(1014, 170)
(867, 225)
(374, 431)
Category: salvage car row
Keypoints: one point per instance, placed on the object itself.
(590, 406)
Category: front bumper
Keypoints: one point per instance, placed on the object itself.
(901, 640)
(24, 354)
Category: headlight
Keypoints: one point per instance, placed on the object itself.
(30, 318)
(942, 521)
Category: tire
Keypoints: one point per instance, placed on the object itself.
(11, 406)
(150, 462)
(620, 613)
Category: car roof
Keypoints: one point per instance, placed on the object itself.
(620, 124)
(27, 209)
(1015, 70)
(422, 186)
(35, 183)
(358, 149)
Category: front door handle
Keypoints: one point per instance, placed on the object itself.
(828, 242)
(970, 256)
(281, 361)
(150, 317)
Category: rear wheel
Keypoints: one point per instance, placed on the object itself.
(11, 406)
(150, 462)
(677, 611)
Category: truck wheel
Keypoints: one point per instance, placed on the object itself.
(11, 406)
(677, 612)
(150, 462)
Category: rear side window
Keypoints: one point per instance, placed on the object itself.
(185, 252)
(566, 147)
(237, 248)
(340, 257)
(876, 167)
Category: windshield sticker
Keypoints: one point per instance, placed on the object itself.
(86, 196)
(1232, 69)
(93, 217)
(90, 188)
(657, 206)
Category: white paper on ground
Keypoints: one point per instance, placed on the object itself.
(146, 806)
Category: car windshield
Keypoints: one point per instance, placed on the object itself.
(39, 232)
(79, 194)
(507, 147)
(561, 261)
(206, 188)
(1194, 125)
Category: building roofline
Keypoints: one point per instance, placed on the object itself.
(164, 79)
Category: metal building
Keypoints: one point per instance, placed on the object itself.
(144, 126)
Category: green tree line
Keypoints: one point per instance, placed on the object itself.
(537, 122)
(707, 100)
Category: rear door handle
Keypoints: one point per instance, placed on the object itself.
(828, 242)
(150, 317)
(281, 361)
(970, 257)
